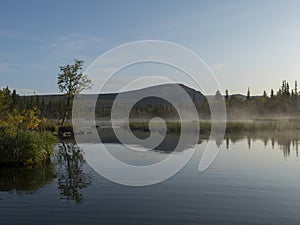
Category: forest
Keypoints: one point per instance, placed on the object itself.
(281, 104)
(28, 123)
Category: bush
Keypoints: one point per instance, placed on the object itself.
(25, 148)
(48, 125)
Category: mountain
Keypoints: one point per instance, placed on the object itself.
(169, 90)
(244, 97)
(107, 99)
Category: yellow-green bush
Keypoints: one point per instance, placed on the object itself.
(25, 148)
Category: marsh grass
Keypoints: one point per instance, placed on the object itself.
(231, 126)
(266, 126)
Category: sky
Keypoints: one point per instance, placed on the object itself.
(252, 44)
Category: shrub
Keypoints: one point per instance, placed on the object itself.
(48, 125)
(25, 148)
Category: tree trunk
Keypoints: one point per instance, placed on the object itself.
(65, 116)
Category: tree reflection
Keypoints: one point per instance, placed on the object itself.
(72, 178)
(26, 180)
(287, 142)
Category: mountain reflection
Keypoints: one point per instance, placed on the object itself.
(71, 173)
(287, 141)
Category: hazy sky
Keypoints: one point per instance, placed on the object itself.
(252, 44)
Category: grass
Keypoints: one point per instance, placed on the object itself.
(231, 126)
(25, 148)
(266, 126)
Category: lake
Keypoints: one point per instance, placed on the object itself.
(255, 179)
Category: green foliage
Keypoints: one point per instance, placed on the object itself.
(25, 148)
(48, 125)
(22, 143)
(72, 81)
(285, 103)
(5, 101)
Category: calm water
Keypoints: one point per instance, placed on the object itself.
(252, 181)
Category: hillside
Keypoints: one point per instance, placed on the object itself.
(107, 99)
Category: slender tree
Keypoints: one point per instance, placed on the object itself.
(272, 93)
(265, 94)
(70, 81)
(248, 94)
(226, 95)
(14, 99)
(5, 101)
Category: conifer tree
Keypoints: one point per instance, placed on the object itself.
(248, 94)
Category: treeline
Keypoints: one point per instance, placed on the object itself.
(284, 102)
(50, 107)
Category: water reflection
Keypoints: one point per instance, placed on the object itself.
(68, 167)
(72, 177)
(167, 145)
(70, 171)
(26, 180)
(287, 141)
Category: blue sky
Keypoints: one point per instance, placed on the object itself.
(252, 44)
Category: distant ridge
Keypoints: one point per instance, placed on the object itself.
(108, 98)
(197, 96)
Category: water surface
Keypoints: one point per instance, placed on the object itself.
(253, 181)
